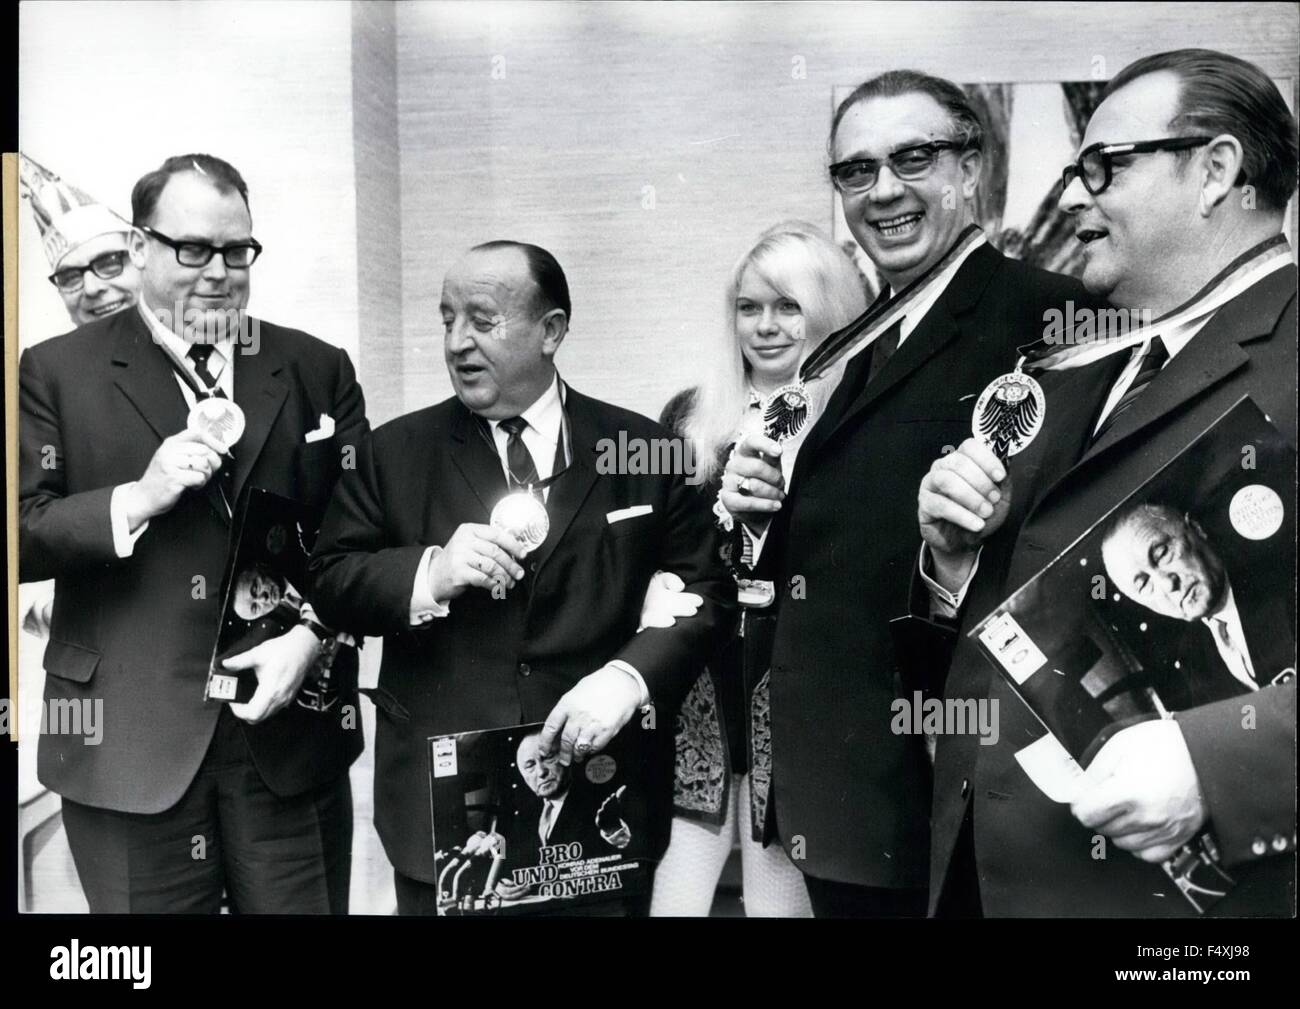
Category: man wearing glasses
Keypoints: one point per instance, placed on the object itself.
(87, 248)
(1179, 196)
(85, 243)
(851, 797)
(130, 513)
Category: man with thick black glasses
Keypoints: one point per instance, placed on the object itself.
(129, 508)
(1179, 196)
(830, 514)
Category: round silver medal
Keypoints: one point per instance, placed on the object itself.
(221, 418)
(524, 517)
(1009, 413)
(785, 412)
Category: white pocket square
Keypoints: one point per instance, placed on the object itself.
(628, 513)
(326, 429)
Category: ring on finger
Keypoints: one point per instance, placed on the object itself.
(743, 486)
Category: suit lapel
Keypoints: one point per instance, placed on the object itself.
(474, 456)
(939, 327)
(570, 491)
(1266, 624)
(260, 392)
(1213, 354)
(145, 377)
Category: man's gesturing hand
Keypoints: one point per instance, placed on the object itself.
(280, 665)
(752, 485)
(1141, 791)
(585, 719)
(186, 459)
(476, 555)
(963, 501)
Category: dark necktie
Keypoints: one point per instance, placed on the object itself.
(883, 349)
(523, 471)
(1153, 360)
(201, 355)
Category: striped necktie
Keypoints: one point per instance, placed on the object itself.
(1154, 358)
(523, 471)
(201, 355)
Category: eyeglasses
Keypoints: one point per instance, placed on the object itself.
(1094, 165)
(105, 266)
(239, 256)
(908, 163)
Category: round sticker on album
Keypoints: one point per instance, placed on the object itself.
(600, 769)
(1256, 511)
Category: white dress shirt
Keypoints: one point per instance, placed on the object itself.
(1230, 639)
(545, 823)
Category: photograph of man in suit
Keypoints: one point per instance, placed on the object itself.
(850, 797)
(1202, 198)
(564, 816)
(1161, 558)
(129, 512)
(479, 632)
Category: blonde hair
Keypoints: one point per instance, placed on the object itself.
(802, 263)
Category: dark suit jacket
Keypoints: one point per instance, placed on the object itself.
(499, 662)
(1033, 857)
(131, 631)
(855, 793)
(576, 823)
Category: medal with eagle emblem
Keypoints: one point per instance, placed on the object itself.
(785, 412)
(1009, 413)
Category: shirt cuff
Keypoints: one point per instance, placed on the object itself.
(942, 602)
(123, 538)
(640, 683)
(424, 607)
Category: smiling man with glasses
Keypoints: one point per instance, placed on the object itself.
(851, 797)
(1179, 197)
(86, 245)
(134, 525)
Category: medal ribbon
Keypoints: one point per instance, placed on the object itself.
(866, 328)
(1246, 270)
(184, 375)
(566, 446)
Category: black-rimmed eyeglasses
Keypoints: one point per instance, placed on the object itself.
(1094, 165)
(239, 256)
(105, 266)
(908, 163)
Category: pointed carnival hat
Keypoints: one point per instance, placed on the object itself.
(65, 215)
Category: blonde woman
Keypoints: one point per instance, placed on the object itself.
(784, 296)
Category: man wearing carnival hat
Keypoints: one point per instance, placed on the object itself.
(87, 246)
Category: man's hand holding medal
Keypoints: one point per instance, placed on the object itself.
(963, 501)
(752, 484)
(476, 556)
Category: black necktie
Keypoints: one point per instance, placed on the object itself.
(523, 471)
(1155, 358)
(883, 349)
(201, 354)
